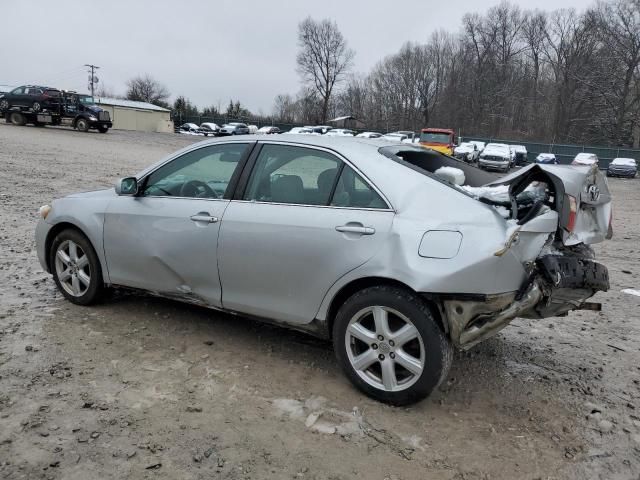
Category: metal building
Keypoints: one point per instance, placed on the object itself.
(140, 116)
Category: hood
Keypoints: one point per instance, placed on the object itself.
(93, 108)
(107, 192)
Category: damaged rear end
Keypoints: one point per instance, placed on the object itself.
(553, 214)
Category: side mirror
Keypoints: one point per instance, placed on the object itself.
(127, 186)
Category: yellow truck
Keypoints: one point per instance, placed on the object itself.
(440, 139)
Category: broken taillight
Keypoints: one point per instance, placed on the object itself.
(573, 212)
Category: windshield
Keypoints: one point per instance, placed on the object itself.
(431, 137)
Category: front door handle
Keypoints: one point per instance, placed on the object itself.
(204, 217)
(360, 229)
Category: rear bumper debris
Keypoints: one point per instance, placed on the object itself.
(559, 283)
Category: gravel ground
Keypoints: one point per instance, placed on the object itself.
(140, 387)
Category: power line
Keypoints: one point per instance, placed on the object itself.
(92, 78)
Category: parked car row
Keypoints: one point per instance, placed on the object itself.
(492, 156)
(232, 128)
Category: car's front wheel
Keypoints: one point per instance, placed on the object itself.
(76, 267)
(390, 345)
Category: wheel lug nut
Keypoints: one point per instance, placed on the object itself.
(392, 355)
(374, 346)
(380, 337)
(391, 343)
(380, 357)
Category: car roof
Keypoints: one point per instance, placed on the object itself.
(395, 180)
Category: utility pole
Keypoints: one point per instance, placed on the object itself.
(92, 77)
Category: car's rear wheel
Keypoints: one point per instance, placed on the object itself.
(82, 125)
(390, 345)
(76, 268)
(36, 107)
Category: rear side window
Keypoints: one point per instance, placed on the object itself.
(289, 174)
(352, 191)
(53, 93)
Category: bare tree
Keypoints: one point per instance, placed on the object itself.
(323, 59)
(561, 76)
(284, 108)
(145, 89)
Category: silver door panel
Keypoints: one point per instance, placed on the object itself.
(278, 261)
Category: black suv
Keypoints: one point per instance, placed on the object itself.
(33, 97)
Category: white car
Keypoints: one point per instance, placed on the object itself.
(253, 129)
(340, 132)
(466, 151)
(495, 156)
(209, 128)
(301, 131)
(547, 158)
(395, 137)
(585, 159)
(189, 129)
(369, 135)
(520, 154)
(478, 144)
(319, 129)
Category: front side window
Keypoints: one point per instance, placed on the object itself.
(202, 173)
(17, 91)
(288, 174)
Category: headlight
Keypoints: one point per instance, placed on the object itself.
(93, 119)
(44, 211)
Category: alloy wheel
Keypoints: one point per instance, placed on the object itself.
(385, 348)
(72, 268)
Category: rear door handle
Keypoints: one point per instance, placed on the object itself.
(204, 217)
(356, 229)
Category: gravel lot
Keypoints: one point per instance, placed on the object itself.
(140, 387)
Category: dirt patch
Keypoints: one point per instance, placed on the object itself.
(140, 387)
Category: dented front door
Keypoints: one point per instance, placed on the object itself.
(166, 245)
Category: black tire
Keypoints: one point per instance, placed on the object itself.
(95, 290)
(82, 125)
(103, 129)
(17, 118)
(436, 347)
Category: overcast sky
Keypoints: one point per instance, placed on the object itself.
(208, 51)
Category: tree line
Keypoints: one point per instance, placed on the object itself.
(560, 76)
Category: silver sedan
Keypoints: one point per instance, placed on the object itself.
(395, 252)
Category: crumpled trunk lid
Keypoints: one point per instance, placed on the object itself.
(580, 196)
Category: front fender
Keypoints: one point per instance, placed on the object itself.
(85, 213)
